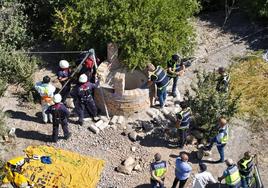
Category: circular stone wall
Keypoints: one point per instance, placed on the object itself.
(122, 95)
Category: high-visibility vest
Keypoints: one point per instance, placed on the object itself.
(224, 139)
(162, 79)
(176, 68)
(233, 176)
(159, 168)
(246, 166)
(185, 118)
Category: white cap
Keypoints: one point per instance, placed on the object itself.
(57, 98)
(83, 78)
(64, 64)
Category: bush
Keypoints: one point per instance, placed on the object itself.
(15, 68)
(207, 104)
(145, 30)
(256, 8)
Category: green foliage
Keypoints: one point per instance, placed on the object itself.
(145, 30)
(208, 104)
(256, 8)
(13, 26)
(40, 14)
(15, 68)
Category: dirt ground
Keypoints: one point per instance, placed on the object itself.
(112, 146)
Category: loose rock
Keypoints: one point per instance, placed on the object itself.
(133, 136)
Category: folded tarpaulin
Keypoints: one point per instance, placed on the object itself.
(68, 169)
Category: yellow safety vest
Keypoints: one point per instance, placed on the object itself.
(233, 176)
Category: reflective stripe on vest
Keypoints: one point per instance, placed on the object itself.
(233, 176)
(225, 138)
(176, 68)
(159, 168)
(247, 166)
(185, 118)
(162, 78)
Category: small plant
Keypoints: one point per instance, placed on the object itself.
(208, 104)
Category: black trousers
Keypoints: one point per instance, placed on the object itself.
(64, 126)
(65, 91)
(89, 106)
(183, 134)
(182, 183)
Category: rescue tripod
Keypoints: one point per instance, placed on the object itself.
(90, 52)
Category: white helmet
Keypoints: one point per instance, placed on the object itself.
(57, 98)
(64, 64)
(83, 78)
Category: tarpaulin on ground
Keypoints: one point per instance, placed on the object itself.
(68, 169)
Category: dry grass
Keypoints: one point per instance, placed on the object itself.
(250, 78)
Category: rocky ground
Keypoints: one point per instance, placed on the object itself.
(113, 144)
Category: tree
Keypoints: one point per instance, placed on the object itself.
(145, 30)
(207, 104)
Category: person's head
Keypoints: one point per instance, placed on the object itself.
(64, 64)
(229, 162)
(247, 155)
(176, 57)
(150, 67)
(221, 70)
(83, 78)
(46, 79)
(184, 157)
(57, 98)
(183, 105)
(222, 121)
(157, 157)
(203, 167)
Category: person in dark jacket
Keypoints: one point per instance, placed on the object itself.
(83, 94)
(64, 74)
(59, 115)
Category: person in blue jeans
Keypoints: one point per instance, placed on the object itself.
(220, 139)
(158, 172)
(160, 78)
(182, 171)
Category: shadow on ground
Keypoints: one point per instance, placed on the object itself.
(240, 25)
(33, 135)
(143, 186)
(192, 156)
(23, 116)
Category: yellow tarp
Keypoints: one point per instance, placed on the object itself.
(68, 169)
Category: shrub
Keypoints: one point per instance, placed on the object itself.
(256, 8)
(208, 104)
(145, 30)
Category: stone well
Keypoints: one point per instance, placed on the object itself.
(121, 91)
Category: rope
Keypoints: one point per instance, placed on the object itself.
(47, 52)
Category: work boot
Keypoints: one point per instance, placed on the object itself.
(80, 123)
(174, 95)
(96, 118)
(67, 136)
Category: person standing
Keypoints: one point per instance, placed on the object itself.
(160, 78)
(183, 122)
(182, 171)
(64, 74)
(222, 81)
(203, 178)
(176, 68)
(46, 91)
(245, 166)
(83, 92)
(231, 175)
(220, 139)
(60, 114)
(158, 172)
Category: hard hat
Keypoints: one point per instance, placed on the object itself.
(176, 57)
(57, 98)
(64, 64)
(83, 78)
(46, 79)
(157, 157)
